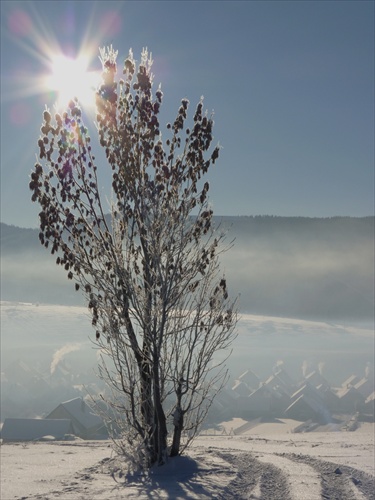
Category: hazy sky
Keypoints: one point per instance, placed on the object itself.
(291, 85)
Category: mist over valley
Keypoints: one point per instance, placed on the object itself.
(306, 302)
(290, 267)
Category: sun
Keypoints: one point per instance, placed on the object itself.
(70, 78)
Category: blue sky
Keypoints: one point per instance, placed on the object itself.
(291, 85)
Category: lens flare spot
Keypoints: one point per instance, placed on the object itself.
(19, 23)
(110, 23)
(20, 114)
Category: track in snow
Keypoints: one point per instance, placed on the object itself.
(262, 476)
(212, 473)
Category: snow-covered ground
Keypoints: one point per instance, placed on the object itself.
(267, 462)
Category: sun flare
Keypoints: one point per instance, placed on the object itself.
(70, 78)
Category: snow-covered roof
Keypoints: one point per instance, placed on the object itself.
(280, 381)
(250, 379)
(310, 393)
(347, 392)
(316, 378)
(28, 429)
(365, 386)
(264, 390)
(353, 379)
(304, 403)
(241, 388)
(285, 378)
(81, 412)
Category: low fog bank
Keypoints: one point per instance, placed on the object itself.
(291, 267)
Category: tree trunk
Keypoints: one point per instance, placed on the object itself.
(147, 413)
(160, 434)
(178, 421)
(161, 431)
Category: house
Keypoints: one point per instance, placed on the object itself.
(350, 399)
(274, 384)
(370, 404)
(315, 378)
(31, 429)
(329, 397)
(258, 403)
(365, 386)
(306, 408)
(85, 423)
(241, 389)
(223, 405)
(281, 382)
(352, 380)
(284, 378)
(280, 401)
(308, 390)
(250, 379)
(310, 404)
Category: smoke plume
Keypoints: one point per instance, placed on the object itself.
(305, 368)
(278, 366)
(369, 370)
(61, 353)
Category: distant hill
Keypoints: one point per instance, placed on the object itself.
(301, 230)
(281, 266)
(16, 239)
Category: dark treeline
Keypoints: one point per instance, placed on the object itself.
(16, 239)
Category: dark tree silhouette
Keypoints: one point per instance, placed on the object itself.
(150, 269)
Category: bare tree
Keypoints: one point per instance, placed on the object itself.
(150, 270)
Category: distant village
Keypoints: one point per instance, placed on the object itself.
(36, 405)
(311, 399)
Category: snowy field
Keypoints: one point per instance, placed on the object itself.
(267, 462)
